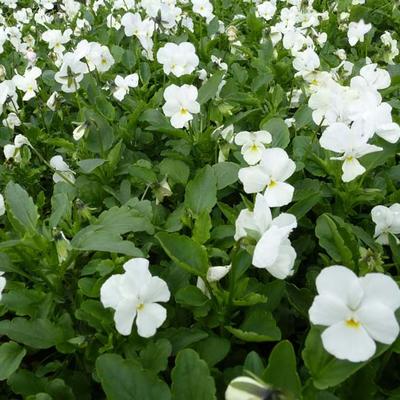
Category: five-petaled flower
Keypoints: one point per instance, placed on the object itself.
(135, 295)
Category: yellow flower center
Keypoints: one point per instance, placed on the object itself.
(351, 323)
(140, 307)
(183, 111)
(272, 184)
(254, 147)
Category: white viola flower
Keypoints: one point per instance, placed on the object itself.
(377, 120)
(8, 95)
(180, 104)
(214, 274)
(352, 143)
(388, 41)
(273, 250)
(357, 31)
(70, 73)
(106, 60)
(252, 144)
(142, 29)
(357, 312)
(113, 22)
(27, 82)
(12, 151)
(203, 8)
(56, 39)
(272, 172)
(246, 388)
(387, 220)
(12, 121)
(52, 100)
(63, 171)
(79, 131)
(178, 59)
(135, 294)
(376, 77)
(266, 10)
(96, 56)
(306, 62)
(122, 85)
(2, 205)
(2, 283)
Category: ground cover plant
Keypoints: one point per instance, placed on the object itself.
(199, 199)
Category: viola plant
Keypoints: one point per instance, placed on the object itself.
(199, 199)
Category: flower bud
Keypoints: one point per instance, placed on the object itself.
(246, 388)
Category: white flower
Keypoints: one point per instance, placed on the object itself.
(306, 62)
(203, 8)
(266, 10)
(178, 59)
(352, 143)
(246, 388)
(272, 172)
(142, 29)
(124, 84)
(27, 82)
(12, 151)
(180, 104)
(2, 206)
(96, 56)
(356, 31)
(357, 312)
(214, 274)
(2, 283)
(134, 295)
(273, 250)
(51, 102)
(80, 131)
(375, 77)
(12, 121)
(71, 73)
(62, 170)
(387, 220)
(252, 144)
(56, 39)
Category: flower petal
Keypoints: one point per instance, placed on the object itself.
(149, 318)
(278, 194)
(379, 321)
(328, 310)
(348, 343)
(124, 316)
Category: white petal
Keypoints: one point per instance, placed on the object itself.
(262, 214)
(342, 283)
(285, 221)
(110, 294)
(335, 138)
(348, 343)
(252, 153)
(155, 290)
(149, 318)
(254, 179)
(124, 316)
(278, 194)
(379, 321)
(283, 265)
(381, 288)
(277, 164)
(214, 274)
(328, 310)
(243, 138)
(351, 169)
(244, 222)
(267, 249)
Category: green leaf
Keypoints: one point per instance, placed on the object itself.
(185, 252)
(331, 240)
(202, 227)
(201, 192)
(89, 165)
(105, 108)
(176, 170)
(126, 380)
(279, 131)
(325, 369)
(191, 296)
(283, 358)
(11, 355)
(22, 208)
(258, 326)
(226, 173)
(154, 356)
(191, 378)
(210, 87)
(38, 333)
(213, 349)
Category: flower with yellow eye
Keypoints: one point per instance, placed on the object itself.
(252, 144)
